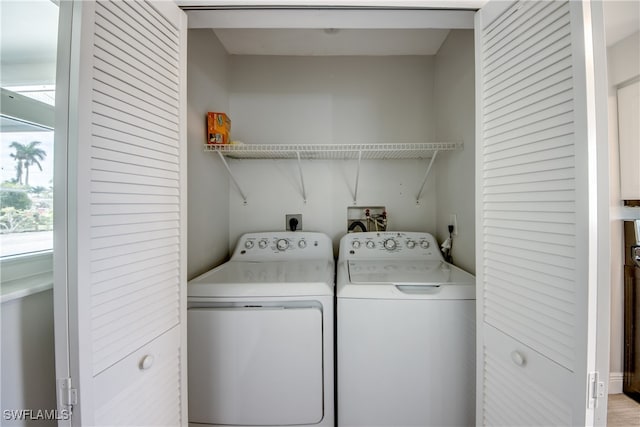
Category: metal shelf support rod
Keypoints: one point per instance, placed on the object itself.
(304, 191)
(426, 175)
(355, 192)
(226, 165)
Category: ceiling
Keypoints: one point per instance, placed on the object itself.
(622, 18)
(312, 42)
(28, 33)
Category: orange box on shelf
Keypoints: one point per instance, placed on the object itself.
(218, 128)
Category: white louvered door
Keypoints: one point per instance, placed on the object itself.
(536, 204)
(120, 254)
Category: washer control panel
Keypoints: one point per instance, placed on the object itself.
(388, 245)
(283, 245)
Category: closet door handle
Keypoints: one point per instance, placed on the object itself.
(146, 362)
(518, 358)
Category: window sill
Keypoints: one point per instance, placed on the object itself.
(21, 288)
(26, 275)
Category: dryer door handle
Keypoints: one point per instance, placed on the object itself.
(419, 289)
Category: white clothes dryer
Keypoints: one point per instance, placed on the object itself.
(405, 333)
(260, 334)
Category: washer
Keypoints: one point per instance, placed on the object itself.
(405, 333)
(260, 331)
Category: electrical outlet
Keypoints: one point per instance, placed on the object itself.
(288, 223)
(453, 220)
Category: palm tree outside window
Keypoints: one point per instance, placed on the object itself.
(26, 156)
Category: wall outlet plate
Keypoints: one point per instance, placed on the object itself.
(453, 220)
(287, 221)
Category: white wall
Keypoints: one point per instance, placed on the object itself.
(30, 74)
(623, 65)
(303, 100)
(208, 182)
(273, 190)
(28, 371)
(455, 121)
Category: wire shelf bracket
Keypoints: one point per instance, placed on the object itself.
(304, 191)
(426, 175)
(233, 178)
(355, 191)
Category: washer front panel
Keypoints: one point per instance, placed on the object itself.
(264, 367)
(406, 363)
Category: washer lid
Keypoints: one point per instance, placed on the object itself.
(399, 272)
(277, 278)
(404, 279)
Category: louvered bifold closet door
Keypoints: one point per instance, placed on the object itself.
(131, 212)
(531, 206)
(529, 179)
(135, 180)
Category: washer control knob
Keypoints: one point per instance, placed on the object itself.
(263, 243)
(371, 244)
(302, 244)
(355, 244)
(424, 244)
(411, 244)
(282, 244)
(390, 244)
(248, 244)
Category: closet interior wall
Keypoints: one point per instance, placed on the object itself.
(208, 181)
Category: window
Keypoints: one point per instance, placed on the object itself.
(28, 53)
(26, 187)
(28, 62)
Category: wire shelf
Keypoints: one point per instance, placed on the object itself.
(333, 151)
(426, 150)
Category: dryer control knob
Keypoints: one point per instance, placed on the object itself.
(424, 244)
(282, 244)
(263, 244)
(411, 244)
(390, 244)
(371, 244)
(302, 244)
(248, 244)
(355, 244)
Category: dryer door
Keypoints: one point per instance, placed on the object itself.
(255, 365)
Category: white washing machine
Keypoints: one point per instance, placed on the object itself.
(260, 331)
(405, 333)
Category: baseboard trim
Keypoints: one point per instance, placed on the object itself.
(615, 382)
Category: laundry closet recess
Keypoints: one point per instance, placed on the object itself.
(346, 112)
(541, 211)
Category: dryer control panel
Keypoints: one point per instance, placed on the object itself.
(390, 245)
(284, 245)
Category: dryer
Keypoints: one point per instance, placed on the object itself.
(405, 333)
(260, 334)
